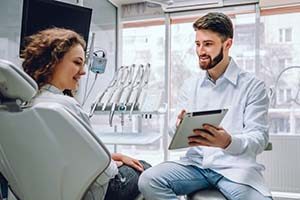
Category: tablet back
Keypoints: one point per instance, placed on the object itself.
(195, 120)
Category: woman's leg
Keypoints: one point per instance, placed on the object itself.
(3, 187)
(125, 185)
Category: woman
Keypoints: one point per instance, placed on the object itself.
(55, 59)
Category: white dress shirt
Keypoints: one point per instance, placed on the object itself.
(246, 121)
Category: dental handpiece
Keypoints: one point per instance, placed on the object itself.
(114, 88)
(118, 93)
(139, 88)
(99, 97)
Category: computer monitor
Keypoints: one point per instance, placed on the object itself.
(41, 14)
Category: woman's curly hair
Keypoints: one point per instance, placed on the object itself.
(45, 49)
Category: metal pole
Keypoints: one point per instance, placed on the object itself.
(165, 136)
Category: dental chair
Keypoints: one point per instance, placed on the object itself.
(46, 152)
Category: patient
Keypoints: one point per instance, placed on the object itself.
(55, 59)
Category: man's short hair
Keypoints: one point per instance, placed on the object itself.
(215, 22)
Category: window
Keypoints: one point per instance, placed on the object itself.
(274, 56)
(142, 45)
(279, 125)
(284, 62)
(288, 95)
(284, 96)
(288, 35)
(256, 49)
(281, 35)
(277, 56)
(280, 95)
(298, 125)
(285, 34)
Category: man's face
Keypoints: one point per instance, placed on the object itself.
(209, 47)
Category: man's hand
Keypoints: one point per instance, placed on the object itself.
(210, 136)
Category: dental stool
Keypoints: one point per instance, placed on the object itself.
(207, 195)
(46, 151)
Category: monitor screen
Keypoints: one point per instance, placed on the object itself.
(42, 14)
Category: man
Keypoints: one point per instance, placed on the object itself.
(224, 158)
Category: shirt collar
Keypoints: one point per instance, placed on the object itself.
(231, 74)
(51, 88)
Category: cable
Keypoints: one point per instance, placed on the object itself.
(86, 84)
(89, 59)
(297, 95)
(88, 94)
(273, 93)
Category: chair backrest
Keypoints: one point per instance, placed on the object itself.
(46, 151)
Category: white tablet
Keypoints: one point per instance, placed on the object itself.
(192, 121)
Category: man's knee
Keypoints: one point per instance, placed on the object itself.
(144, 181)
(151, 178)
(233, 190)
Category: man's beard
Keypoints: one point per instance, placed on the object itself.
(213, 62)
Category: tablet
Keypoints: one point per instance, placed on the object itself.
(195, 120)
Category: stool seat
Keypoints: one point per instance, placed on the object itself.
(207, 195)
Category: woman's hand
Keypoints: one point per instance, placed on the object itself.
(121, 159)
(119, 163)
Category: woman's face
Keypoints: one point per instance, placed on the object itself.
(69, 69)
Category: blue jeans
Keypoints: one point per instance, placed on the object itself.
(124, 185)
(169, 179)
(3, 187)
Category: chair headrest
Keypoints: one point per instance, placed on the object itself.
(15, 83)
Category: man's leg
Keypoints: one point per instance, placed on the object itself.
(124, 185)
(167, 180)
(237, 191)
